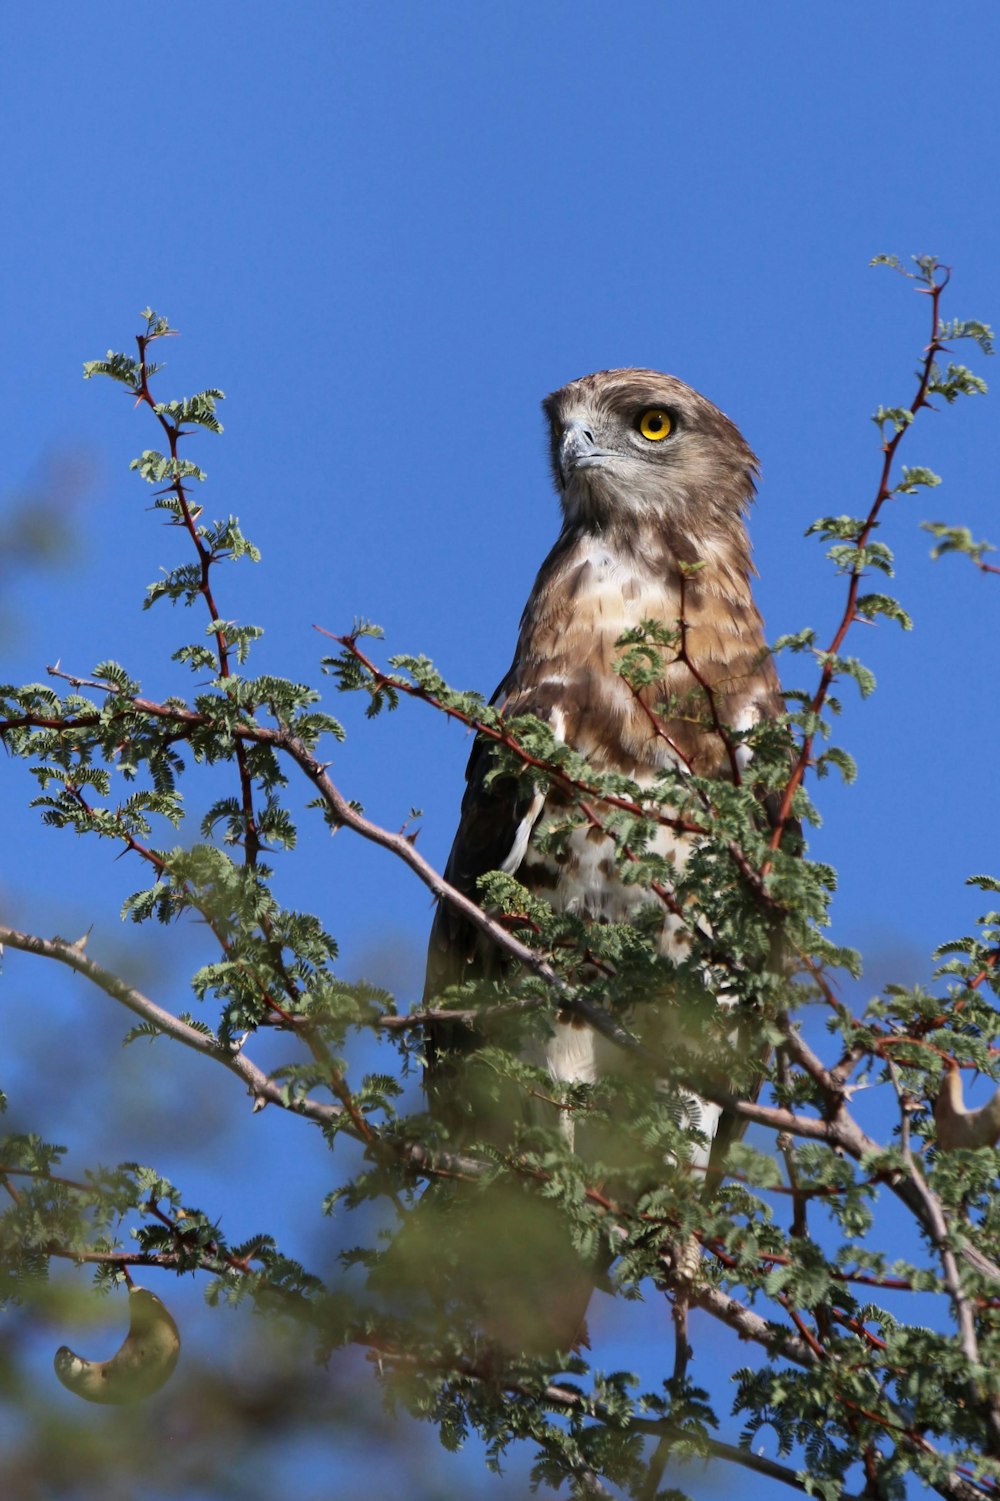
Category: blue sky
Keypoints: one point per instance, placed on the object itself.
(387, 231)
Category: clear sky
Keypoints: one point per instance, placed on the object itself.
(387, 230)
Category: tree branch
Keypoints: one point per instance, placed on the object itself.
(263, 1089)
(849, 615)
(937, 1225)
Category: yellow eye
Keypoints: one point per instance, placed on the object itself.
(655, 424)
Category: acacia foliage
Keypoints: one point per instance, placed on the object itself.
(869, 1367)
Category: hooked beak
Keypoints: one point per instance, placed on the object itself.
(578, 450)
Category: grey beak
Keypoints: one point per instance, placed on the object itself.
(578, 450)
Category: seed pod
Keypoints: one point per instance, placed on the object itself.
(144, 1363)
(958, 1127)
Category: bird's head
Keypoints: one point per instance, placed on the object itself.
(632, 448)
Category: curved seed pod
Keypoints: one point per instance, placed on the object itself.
(958, 1127)
(144, 1363)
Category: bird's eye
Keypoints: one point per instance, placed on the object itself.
(655, 424)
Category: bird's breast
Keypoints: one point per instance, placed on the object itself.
(567, 668)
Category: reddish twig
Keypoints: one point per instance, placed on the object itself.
(173, 432)
(721, 729)
(572, 786)
(883, 493)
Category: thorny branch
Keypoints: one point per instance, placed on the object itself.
(259, 1085)
(500, 735)
(882, 494)
(573, 786)
(295, 1021)
(840, 1131)
(174, 432)
(942, 1236)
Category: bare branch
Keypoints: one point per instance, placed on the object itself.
(775, 1338)
(937, 1225)
(402, 847)
(263, 1089)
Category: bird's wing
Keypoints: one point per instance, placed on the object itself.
(496, 822)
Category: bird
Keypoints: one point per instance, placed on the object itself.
(654, 483)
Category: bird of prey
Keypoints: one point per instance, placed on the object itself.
(653, 479)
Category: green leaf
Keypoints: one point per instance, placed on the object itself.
(844, 763)
(849, 667)
(967, 328)
(156, 467)
(198, 409)
(955, 381)
(955, 539)
(899, 418)
(119, 367)
(872, 605)
(915, 479)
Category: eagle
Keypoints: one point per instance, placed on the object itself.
(654, 483)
